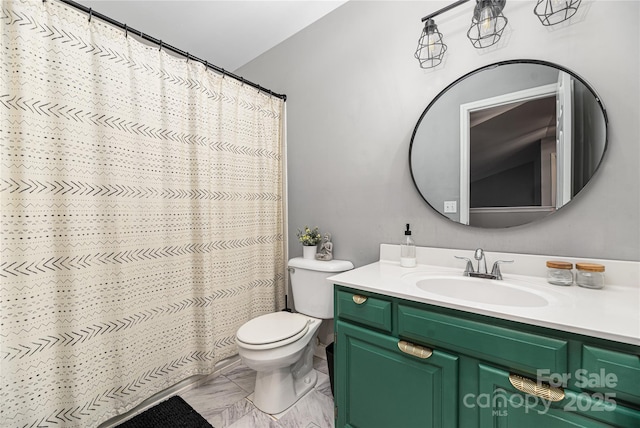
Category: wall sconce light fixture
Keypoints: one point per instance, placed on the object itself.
(431, 47)
(487, 25)
(552, 12)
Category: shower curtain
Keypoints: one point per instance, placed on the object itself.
(142, 216)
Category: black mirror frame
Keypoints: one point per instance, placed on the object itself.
(488, 67)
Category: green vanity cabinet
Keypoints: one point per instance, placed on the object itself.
(400, 363)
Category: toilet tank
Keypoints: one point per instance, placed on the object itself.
(312, 293)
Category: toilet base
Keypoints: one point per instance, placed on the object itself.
(278, 390)
(283, 374)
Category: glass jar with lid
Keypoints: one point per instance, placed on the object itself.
(590, 275)
(559, 273)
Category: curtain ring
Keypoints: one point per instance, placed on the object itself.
(160, 45)
(259, 89)
(126, 31)
(242, 81)
(90, 13)
(141, 35)
(224, 73)
(206, 65)
(187, 56)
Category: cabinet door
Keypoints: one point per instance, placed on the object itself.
(378, 385)
(502, 405)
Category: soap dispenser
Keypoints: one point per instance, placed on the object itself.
(407, 250)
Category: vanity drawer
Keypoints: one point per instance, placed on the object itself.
(364, 309)
(516, 401)
(610, 372)
(515, 349)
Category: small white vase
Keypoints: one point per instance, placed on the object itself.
(309, 251)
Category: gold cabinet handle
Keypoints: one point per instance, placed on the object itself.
(531, 387)
(415, 350)
(358, 299)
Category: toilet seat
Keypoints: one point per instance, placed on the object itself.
(272, 330)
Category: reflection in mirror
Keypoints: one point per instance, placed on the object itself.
(508, 144)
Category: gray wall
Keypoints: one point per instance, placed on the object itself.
(355, 93)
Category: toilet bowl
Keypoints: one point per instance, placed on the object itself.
(284, 366)
(280, 346)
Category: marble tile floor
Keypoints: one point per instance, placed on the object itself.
(225, 402)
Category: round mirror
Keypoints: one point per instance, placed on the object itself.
(508, 144)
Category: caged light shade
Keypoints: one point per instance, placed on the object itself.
(488, 23)
(431, 47)
(552, 12)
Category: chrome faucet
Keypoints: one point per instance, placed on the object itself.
(482, 272)
(479, 256)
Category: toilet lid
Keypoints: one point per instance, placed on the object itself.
(271, 328)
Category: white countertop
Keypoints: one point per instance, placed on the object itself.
(611, 313)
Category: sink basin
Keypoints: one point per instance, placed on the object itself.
(479, 290)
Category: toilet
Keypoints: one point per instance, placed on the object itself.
(280, 346)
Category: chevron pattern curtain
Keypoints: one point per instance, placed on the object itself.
(142, 216)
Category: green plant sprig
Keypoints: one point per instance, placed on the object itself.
(309, 237)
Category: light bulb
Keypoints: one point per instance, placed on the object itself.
(431, 44)
(487, 21)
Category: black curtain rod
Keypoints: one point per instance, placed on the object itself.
(444, 9)
(163, 45)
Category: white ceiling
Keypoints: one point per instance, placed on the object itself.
(228, 34)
